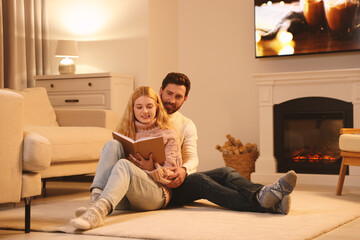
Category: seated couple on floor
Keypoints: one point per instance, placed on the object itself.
(139, 184)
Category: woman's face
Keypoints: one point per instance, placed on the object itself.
(144, 109)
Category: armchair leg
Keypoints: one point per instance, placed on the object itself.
(27, 214)
(341, 179)
(43, 188)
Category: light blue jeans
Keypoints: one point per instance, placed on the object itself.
(125, 185)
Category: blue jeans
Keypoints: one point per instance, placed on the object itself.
(125, 185)
(222, 186)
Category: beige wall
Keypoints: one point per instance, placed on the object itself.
(112, 34)
(216, 50)
(163, 40)
(212, 41)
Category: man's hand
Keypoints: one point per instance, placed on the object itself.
(177, 178)
(141, 162)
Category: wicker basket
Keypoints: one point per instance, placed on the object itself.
(243, 163)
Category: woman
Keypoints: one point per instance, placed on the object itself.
(136, 184)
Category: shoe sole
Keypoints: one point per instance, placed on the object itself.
(285, 205)
(270, 199)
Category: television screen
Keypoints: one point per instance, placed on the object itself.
(289, 27)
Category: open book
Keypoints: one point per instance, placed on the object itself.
(144, 146)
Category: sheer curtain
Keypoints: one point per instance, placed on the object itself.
(24, 42)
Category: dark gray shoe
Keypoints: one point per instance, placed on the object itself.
(283, 206)
(270, 195)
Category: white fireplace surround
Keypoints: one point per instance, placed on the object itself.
(275, 88)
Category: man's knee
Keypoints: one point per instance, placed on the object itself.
(229, 170)
(224, 171)
(196, 178)
(231, 173)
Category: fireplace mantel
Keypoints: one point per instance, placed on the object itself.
(275, 88)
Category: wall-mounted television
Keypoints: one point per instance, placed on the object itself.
(296, 27)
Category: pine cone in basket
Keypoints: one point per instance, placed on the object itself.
(238, 156)
(235, 147)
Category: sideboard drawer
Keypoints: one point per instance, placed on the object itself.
(90, 84)
(98, 100)
(88, 90)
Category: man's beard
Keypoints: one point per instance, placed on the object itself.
(170, 107)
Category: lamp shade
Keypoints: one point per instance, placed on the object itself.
(67, 48)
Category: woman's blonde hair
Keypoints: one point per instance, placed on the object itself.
(127, 122)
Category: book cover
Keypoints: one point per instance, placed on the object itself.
(144, 146)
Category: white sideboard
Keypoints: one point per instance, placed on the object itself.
(94, 90)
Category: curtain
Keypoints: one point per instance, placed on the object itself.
(24, 43)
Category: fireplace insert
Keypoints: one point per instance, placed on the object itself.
(306, 134)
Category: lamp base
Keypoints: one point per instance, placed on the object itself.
(67, 66)
(67, 69)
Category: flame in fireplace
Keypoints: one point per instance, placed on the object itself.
(311, 155)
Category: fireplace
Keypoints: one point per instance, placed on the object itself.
(306, 134)
(278, 89)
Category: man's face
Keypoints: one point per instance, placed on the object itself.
(173, 96)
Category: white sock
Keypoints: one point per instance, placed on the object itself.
(96, 190)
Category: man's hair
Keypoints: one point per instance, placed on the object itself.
(178, 79)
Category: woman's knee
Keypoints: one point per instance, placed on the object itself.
(124, 163)
(114, 146)
(122, 166)
(130, 167)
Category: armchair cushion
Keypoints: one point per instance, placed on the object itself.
(37, 152)
(349, 142)
(37, 110)
(87, 118)
(74, 143)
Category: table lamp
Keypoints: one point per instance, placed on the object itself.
(67, 49)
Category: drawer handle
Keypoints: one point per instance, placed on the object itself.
(51, 85)
(89, 84)
(71, 100)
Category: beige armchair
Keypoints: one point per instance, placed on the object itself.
(37, 142)
(349, 144)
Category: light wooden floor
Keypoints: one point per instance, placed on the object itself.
(67, 190)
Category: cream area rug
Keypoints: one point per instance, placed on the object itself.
(313, 213)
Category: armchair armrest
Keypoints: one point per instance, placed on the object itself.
(349, 130)
(11, 138)
(87, 118)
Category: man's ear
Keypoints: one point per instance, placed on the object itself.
(185, 98)
(160, 91)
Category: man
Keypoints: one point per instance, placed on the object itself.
(222, 186)
(173, 93)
